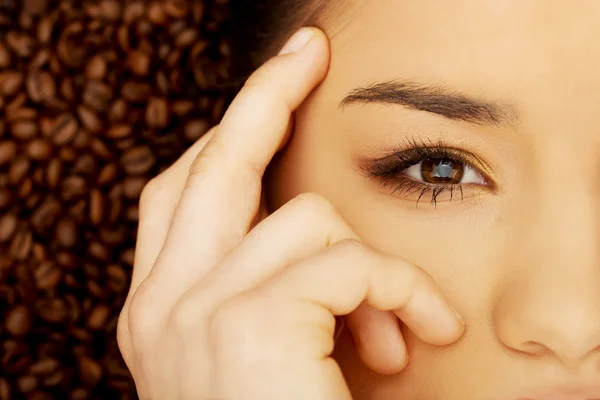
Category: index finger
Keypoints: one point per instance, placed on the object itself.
(223, 188)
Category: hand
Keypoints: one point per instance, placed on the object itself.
(227, 302)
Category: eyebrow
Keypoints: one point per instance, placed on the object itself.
(434, 99)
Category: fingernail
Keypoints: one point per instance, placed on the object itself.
(298, 41)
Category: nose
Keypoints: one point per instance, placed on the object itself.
(548, 303)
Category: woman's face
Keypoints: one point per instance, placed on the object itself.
(477, 157)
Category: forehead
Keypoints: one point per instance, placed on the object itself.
(507, 48)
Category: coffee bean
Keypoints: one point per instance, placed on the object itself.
(97, 95)
(66, 232)
(96, 68)
(138, 62)
(43, 367)
(138, 160)
(73, 187)
(47, 275)
(157, 113)
(24, 130)
(18, 169)
(51, 310)
(21, 245)
(45, 28)
(98, 317)
(88, 119)
(10, 82)
(19, 320)
(136, 92)
(53, 172)
(8, 150)
(39, 149)
(64, 129)
(96, 207)
(20, 43)
(108, 174)
(117, 278)
(98, 251)
(8, 226)
(118, 132)
(133, 186)
(40, 86)
(118, 111)
(90, 371)
(79, 394)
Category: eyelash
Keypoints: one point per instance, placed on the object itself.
(389, 170)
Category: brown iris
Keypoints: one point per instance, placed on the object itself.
(442, 170)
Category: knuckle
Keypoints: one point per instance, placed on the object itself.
(149, 192)
(313, 206)
(354, 249)
(141, 321)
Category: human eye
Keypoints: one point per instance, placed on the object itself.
(432, 171)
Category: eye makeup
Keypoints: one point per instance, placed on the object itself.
(430, 170)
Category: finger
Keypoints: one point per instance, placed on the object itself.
(378, 339)
(223, 189)
(349, 273)
(304, 226)
(158, 202)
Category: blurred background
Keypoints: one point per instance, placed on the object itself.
(96, 97)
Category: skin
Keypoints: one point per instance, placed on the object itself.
(234, 297)
(520, 262)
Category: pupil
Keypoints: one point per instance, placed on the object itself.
(442, 170)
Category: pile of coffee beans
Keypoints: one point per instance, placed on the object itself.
(96, 98)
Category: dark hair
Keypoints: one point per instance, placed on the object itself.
(260, 28)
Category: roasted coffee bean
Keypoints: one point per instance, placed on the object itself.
(108, 174)
(19, 320)
(39, 149)
(40, 86)
(64, 129)
(98, 317)
(8, 150)
(118, 132)
(90, 371)
(53, 172)
(139, 62)
(8, 226)
(21, 245)
(73, 187)
(138, 160)
(18, 169)
(47, 275)
(96, 68)
(51, 310)
(10, 82)
(44, 367)
(46, 215)
(96, 207)
(23, 129)
(136, 92)
(88, 119)
(157, 113)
